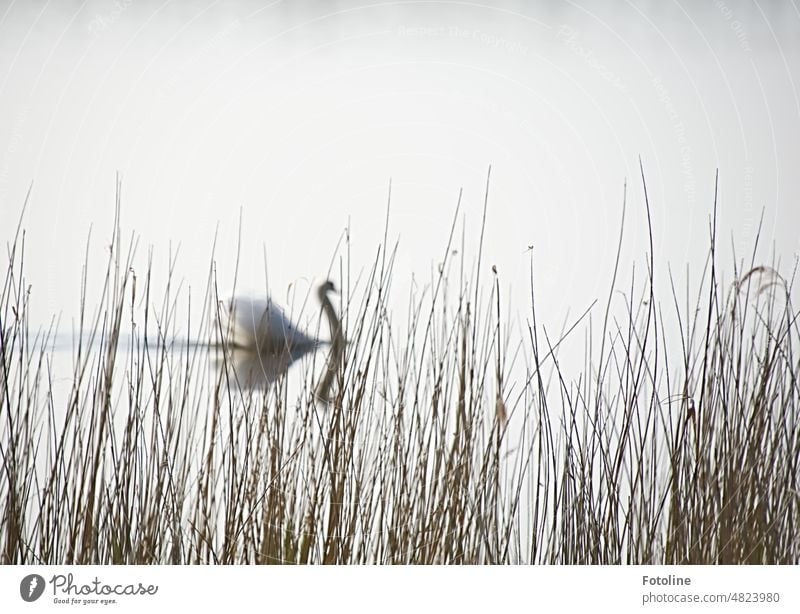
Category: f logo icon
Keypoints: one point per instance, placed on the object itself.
(31, 587)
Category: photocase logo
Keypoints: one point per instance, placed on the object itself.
(67, 591)
(31, 587)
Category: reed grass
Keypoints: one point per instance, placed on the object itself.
(454, 438)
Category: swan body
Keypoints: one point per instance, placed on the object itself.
(259, 325)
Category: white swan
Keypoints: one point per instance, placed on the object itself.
(264, 342)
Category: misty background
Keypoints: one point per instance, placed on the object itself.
(295, 117)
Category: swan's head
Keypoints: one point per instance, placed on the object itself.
(325, 288)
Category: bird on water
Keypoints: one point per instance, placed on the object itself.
(264, 342)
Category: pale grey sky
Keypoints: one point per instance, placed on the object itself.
(298, 118)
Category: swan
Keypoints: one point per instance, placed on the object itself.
(264, 342)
